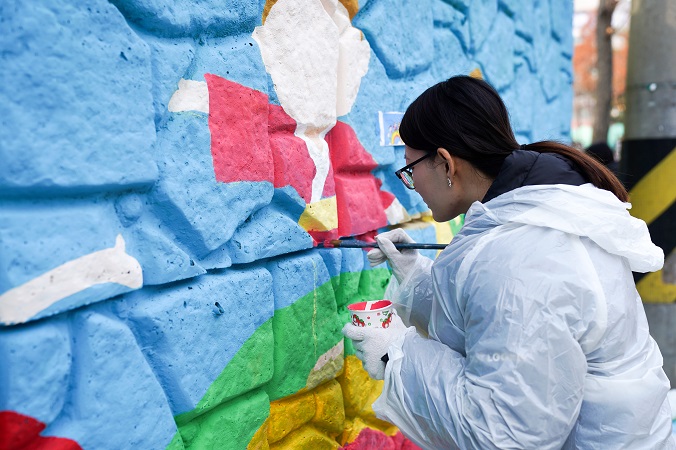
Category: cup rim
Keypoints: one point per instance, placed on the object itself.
(360, 307)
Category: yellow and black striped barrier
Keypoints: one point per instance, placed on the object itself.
(648, 170)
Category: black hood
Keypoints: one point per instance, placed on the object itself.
(529, 168)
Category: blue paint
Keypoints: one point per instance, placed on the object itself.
(481, 15)
(235, 58)
(447, 17)
(35, 368)
(387, 25)
(499, 71)
(272, 230)
(77, 105)
(562, 22)
(202, 213)
(185, 343)
(295, 276)
(170, 61)
(376, 93)
(36, 236)
(114, 399)
(185, 18)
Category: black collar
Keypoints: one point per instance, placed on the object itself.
(530, 168)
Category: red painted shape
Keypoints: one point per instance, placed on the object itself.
(359, 206)
(238, 121)
(292, 163)
(369, 439)
(329, 184)
(21, 432)
(386, 197)
(347, 153)
(358, 195)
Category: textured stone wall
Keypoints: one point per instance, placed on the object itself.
(166, 170)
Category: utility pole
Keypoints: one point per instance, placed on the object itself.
(604, 68)
(648, 165)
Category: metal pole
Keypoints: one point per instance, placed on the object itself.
(648, 165)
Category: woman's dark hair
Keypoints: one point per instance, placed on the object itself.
(467, 117)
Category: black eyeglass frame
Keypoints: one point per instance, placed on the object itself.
(409, 171)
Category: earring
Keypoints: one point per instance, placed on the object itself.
(449, 182)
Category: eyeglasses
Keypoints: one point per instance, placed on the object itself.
(405, 174)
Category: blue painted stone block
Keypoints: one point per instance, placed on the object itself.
(272, 230)
(170, 59)
(114, 398)
(201, 212)
(187, 18)
(235, 58)
(36, 236)
(162, 260)
(187, 339)
(295, 276)
(517, 98)
(35, 368)
(77, 104)
(562, 23)
(452, 19)
(481, 16)
(541, 31)
(376, 93)
(451, 59)
(388, 25)
(497, 53)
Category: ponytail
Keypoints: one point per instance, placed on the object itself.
(595, 172)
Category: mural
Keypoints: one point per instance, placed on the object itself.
(167, 171)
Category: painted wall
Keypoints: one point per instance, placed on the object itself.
(166, 169)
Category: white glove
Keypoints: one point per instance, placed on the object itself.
(371, 344)
(402, 262)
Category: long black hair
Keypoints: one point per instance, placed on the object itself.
(467, 117)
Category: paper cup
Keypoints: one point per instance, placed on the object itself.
(375, 314)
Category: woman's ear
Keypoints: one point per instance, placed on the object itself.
(450, 163)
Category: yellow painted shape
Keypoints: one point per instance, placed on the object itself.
(288, 414)
(476, 73)
(653, 289)
(356, 385)
(330, 412)
(306, 438)
(320, 216)
(352, 7)
(359, 393)
(656, 191)
(259, 441)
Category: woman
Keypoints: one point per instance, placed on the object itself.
(536, 335)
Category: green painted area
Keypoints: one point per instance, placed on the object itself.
(303, 332)
(251, 367)
(228, 426)
(176, 443)
(291, 342)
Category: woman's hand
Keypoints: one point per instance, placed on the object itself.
(402, 262)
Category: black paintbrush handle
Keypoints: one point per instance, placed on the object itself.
(397, 245)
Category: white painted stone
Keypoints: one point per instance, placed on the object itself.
(111, 265)
(191, 96)
(334, 352)
(396, 213)
(316, 60)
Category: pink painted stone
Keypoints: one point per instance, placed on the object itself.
(292, 163)
(238, 121)
(358, 195)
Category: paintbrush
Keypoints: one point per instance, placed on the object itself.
(353, 243)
